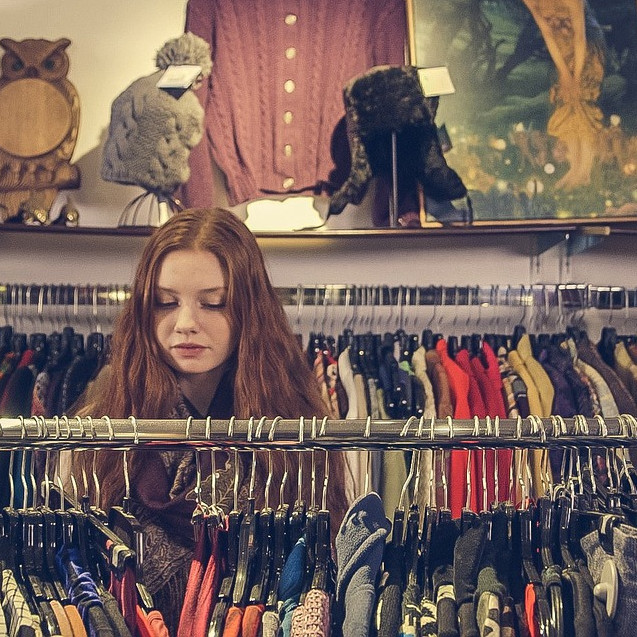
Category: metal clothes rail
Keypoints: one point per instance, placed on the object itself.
(311, 433)
(567, 296)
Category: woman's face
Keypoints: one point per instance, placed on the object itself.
(191, 323)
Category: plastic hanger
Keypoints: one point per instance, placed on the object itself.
(224, 598)
(126, 526)
(31, 561)
(606, 345)
(281, 536)
(18, 343)
(453, 346)
(427, 339)
(6, 332)
(546, 509)
(310, 530)
(542, 609)
(518, 332)
(247, 547)
(322, 577)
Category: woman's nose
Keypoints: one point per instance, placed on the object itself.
(186, 320)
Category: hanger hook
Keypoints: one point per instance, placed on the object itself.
(299, 484)
(368, 454)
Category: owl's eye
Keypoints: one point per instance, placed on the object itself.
(17, 65)
(49, 64)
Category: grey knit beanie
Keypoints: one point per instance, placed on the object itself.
(151, 132)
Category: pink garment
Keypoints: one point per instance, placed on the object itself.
(156, 621)
(144, 628)
(275, 95)
(200, 558)
(209, 587)
(124, 590)
(251, 624)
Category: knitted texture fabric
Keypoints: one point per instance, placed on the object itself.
(624, 554)
(246, 99)
(150, 136)
(359, 549)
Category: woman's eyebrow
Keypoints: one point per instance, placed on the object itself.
(221, 288)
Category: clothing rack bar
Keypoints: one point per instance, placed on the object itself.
(569, 297)
(302, 433)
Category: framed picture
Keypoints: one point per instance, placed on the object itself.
(543, 121)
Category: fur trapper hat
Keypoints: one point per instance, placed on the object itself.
(383, 100)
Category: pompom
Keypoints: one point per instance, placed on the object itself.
(186, 49)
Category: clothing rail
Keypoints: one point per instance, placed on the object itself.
(304, 433)
(567, 296)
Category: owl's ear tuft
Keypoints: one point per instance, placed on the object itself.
(8, 44)
(61, 44)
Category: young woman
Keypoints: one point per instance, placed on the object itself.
(203, 334)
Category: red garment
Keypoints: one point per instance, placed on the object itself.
(459, 386)
(189, 610)
(209, 587)
(156, 621)
(232, 625)
(529, 610)
(251, 625)
(491, 393)
(144, 629)
(477, 405)
(253, 113)
(487, 372)
(124, 590)
(478, 408)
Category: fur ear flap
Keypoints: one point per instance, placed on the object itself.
(354, 189)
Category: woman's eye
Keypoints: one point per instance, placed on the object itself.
(214, 306)
(165, 304)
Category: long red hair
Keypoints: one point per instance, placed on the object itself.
(272, 377)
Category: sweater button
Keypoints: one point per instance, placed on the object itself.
(289, 86)
(290, 53)
(290, 19)
(288, 182)
(287, 117)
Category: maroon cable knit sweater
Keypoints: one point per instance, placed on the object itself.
(274, 96)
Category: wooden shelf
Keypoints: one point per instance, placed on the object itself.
(626, 225)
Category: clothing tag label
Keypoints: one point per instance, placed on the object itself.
(436, 81)
(179, 76)
(446, 591)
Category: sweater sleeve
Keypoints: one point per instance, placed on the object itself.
(199, 191)
(389, 45)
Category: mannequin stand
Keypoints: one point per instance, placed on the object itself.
(149, 209)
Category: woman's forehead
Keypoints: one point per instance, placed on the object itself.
(190, 269)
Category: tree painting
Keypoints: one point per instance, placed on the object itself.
(544, 119)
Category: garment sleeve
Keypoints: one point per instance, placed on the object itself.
(199, 192)
(389, 45)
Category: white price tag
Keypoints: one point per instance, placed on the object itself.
(436, 81)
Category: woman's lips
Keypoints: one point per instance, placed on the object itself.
(189, 349)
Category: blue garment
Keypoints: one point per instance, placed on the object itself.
(83, 592)
(291, 584)
(359, 550)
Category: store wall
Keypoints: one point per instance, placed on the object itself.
(114, 43)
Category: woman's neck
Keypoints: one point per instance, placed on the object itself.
(200, 389)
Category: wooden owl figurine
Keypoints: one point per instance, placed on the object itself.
(40, 112)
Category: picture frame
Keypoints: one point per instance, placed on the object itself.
(543, 121)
